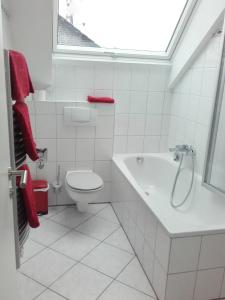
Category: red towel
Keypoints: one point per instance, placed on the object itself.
(21, 85)
(100, 99)
(23, 118)
(29, 200)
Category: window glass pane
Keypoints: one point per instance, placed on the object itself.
(119, 24)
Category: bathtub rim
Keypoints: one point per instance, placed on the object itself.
(119, 162)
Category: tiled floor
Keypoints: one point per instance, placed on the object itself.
(81, 256)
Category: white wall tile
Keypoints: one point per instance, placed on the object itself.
(184, 254)
(84, 78)
(84, 150)
(150, 229)
(45, 126)
(60, 106)
(64, 131)
(148, 261)
(212, 251)
(209, 82)
(45, 107)
(122, 77)
(121, 124)
(105, 109)
(222, 294)
(136, 124)
(122, 99)
(208, 284)
(65, 150)
(105, 127)
(158, 79)
(84, 165)
(103, 168)
(135, 144)
(120, 144)
(139, 78)
(153, 125)
(103, 149)
(103, 76)
(196, 81)
(64, 76)
(155, 102)
(138, 102)
(180, 286)
(152, 144)
(85, 132)
(162, 248)
(159, 280)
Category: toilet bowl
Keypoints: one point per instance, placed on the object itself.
(83, 187)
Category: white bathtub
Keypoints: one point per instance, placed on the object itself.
(203, 212)
(183, 249)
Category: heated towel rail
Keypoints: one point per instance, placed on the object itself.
(17, 158)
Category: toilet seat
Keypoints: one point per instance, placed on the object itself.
(83, 181)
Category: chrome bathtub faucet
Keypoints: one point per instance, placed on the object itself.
(182, 149)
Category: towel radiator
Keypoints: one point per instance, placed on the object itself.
(17, 158)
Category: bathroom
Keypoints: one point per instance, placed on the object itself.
(125, 150)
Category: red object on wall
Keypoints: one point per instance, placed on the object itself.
(93, 99)
(40, 188)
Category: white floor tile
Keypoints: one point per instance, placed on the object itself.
(30, 249)
(107, 259)
(119, 239)
(28, 289)
(97, 228)
(46, 266)
(95, 208)
(75, 245)
(120, 291)
(70, 217)
(108, 214)
(53, 210)
(48, 232)
(81, 283)
(134, 276)
(49, 295)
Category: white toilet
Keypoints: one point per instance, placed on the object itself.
(83, 187)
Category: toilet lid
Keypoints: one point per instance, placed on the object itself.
(84, 180)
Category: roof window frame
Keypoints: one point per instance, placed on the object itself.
(114, 54)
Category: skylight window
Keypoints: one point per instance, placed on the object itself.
(118, 25)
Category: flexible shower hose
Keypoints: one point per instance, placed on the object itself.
(175, 183)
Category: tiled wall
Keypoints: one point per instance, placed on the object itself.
(179, 268)
(192, 102)
(72, 147)
(142, 105)
(137, 122)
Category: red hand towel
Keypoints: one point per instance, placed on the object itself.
(100, 99)
(29, 200)
(23, 118)
(21, 85)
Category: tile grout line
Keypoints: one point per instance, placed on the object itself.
(135, 252)
(80, 261)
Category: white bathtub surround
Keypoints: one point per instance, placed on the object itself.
(181, 250)
(192, 102)
(78, 265)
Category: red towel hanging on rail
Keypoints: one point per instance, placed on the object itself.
(22, 115)
(21, 85)
(29, 200)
